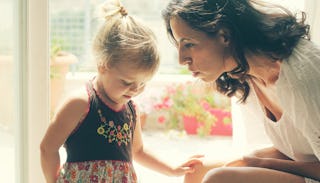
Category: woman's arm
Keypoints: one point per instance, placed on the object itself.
(147, 159)
(271, 158)
(63, 123)
(304, 169)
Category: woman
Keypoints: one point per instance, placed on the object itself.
(262, 55)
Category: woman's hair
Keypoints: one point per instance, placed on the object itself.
(123, 38)
(251, 26)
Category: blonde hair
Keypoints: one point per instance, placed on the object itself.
(122, 38)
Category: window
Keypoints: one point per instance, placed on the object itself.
(72, 24)
(23, 88)
(8, 108)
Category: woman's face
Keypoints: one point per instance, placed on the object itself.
(206, 57)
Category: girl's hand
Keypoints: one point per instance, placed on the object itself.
(188, 166)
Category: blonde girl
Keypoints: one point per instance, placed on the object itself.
(99, 125)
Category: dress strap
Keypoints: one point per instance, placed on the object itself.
(133, 112)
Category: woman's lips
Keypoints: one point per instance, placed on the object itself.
(195, 74)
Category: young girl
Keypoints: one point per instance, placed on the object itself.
(99, 125)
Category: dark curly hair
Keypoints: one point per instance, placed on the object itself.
(251, 26)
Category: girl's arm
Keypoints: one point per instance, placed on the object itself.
(147, 159)
(62, 125)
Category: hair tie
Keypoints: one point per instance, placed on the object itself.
(123, 11)
(113, 7)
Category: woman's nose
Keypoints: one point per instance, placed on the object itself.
(184, 59)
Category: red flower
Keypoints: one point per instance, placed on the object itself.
(161, 119)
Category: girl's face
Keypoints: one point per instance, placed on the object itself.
(206, 57)
(122, 82)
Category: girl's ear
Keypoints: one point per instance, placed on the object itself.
(224, 36)
(102, 69)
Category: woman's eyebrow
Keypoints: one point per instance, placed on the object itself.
(184, 39)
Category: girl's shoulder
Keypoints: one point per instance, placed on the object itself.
(74, 106)
(78, 97)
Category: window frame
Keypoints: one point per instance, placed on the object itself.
(32, 86)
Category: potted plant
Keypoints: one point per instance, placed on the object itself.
(60, 61)
(191, 107)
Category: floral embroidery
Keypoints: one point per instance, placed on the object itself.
(114, 133)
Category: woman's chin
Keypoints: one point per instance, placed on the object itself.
(208, 79)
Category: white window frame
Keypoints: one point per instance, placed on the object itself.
(32, 87)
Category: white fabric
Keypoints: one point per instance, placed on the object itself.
(297, 133)
(248, 129)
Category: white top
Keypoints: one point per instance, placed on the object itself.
(297, 132)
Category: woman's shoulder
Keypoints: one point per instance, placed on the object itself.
(304, 62)
(306, 49)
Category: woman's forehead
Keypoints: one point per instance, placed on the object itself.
(181, 31)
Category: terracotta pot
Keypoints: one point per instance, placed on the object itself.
(59, 67)
(220, 128)
(190, 125)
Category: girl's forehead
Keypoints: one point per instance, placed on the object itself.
(127, 72)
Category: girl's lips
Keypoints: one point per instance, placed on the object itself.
(127, 96)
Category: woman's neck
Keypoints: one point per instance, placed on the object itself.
(264, 69)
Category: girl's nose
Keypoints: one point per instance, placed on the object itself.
(136, 87)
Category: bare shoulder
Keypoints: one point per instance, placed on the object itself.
(66, 119)
(74, 107)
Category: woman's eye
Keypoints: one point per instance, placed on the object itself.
(189, 45)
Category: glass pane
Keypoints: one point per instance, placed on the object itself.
(7, 107)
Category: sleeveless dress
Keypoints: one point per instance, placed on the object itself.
(297, 132)
(99, 149)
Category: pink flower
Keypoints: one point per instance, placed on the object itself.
(205, 105)
(161, 119)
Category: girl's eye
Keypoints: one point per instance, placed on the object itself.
(142, 84)
(189, 45)
(126, 83)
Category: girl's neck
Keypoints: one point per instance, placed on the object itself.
(104, 96)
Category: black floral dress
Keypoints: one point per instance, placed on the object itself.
(99, 150)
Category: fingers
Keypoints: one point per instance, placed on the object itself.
(197, 156)
(197, 159)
